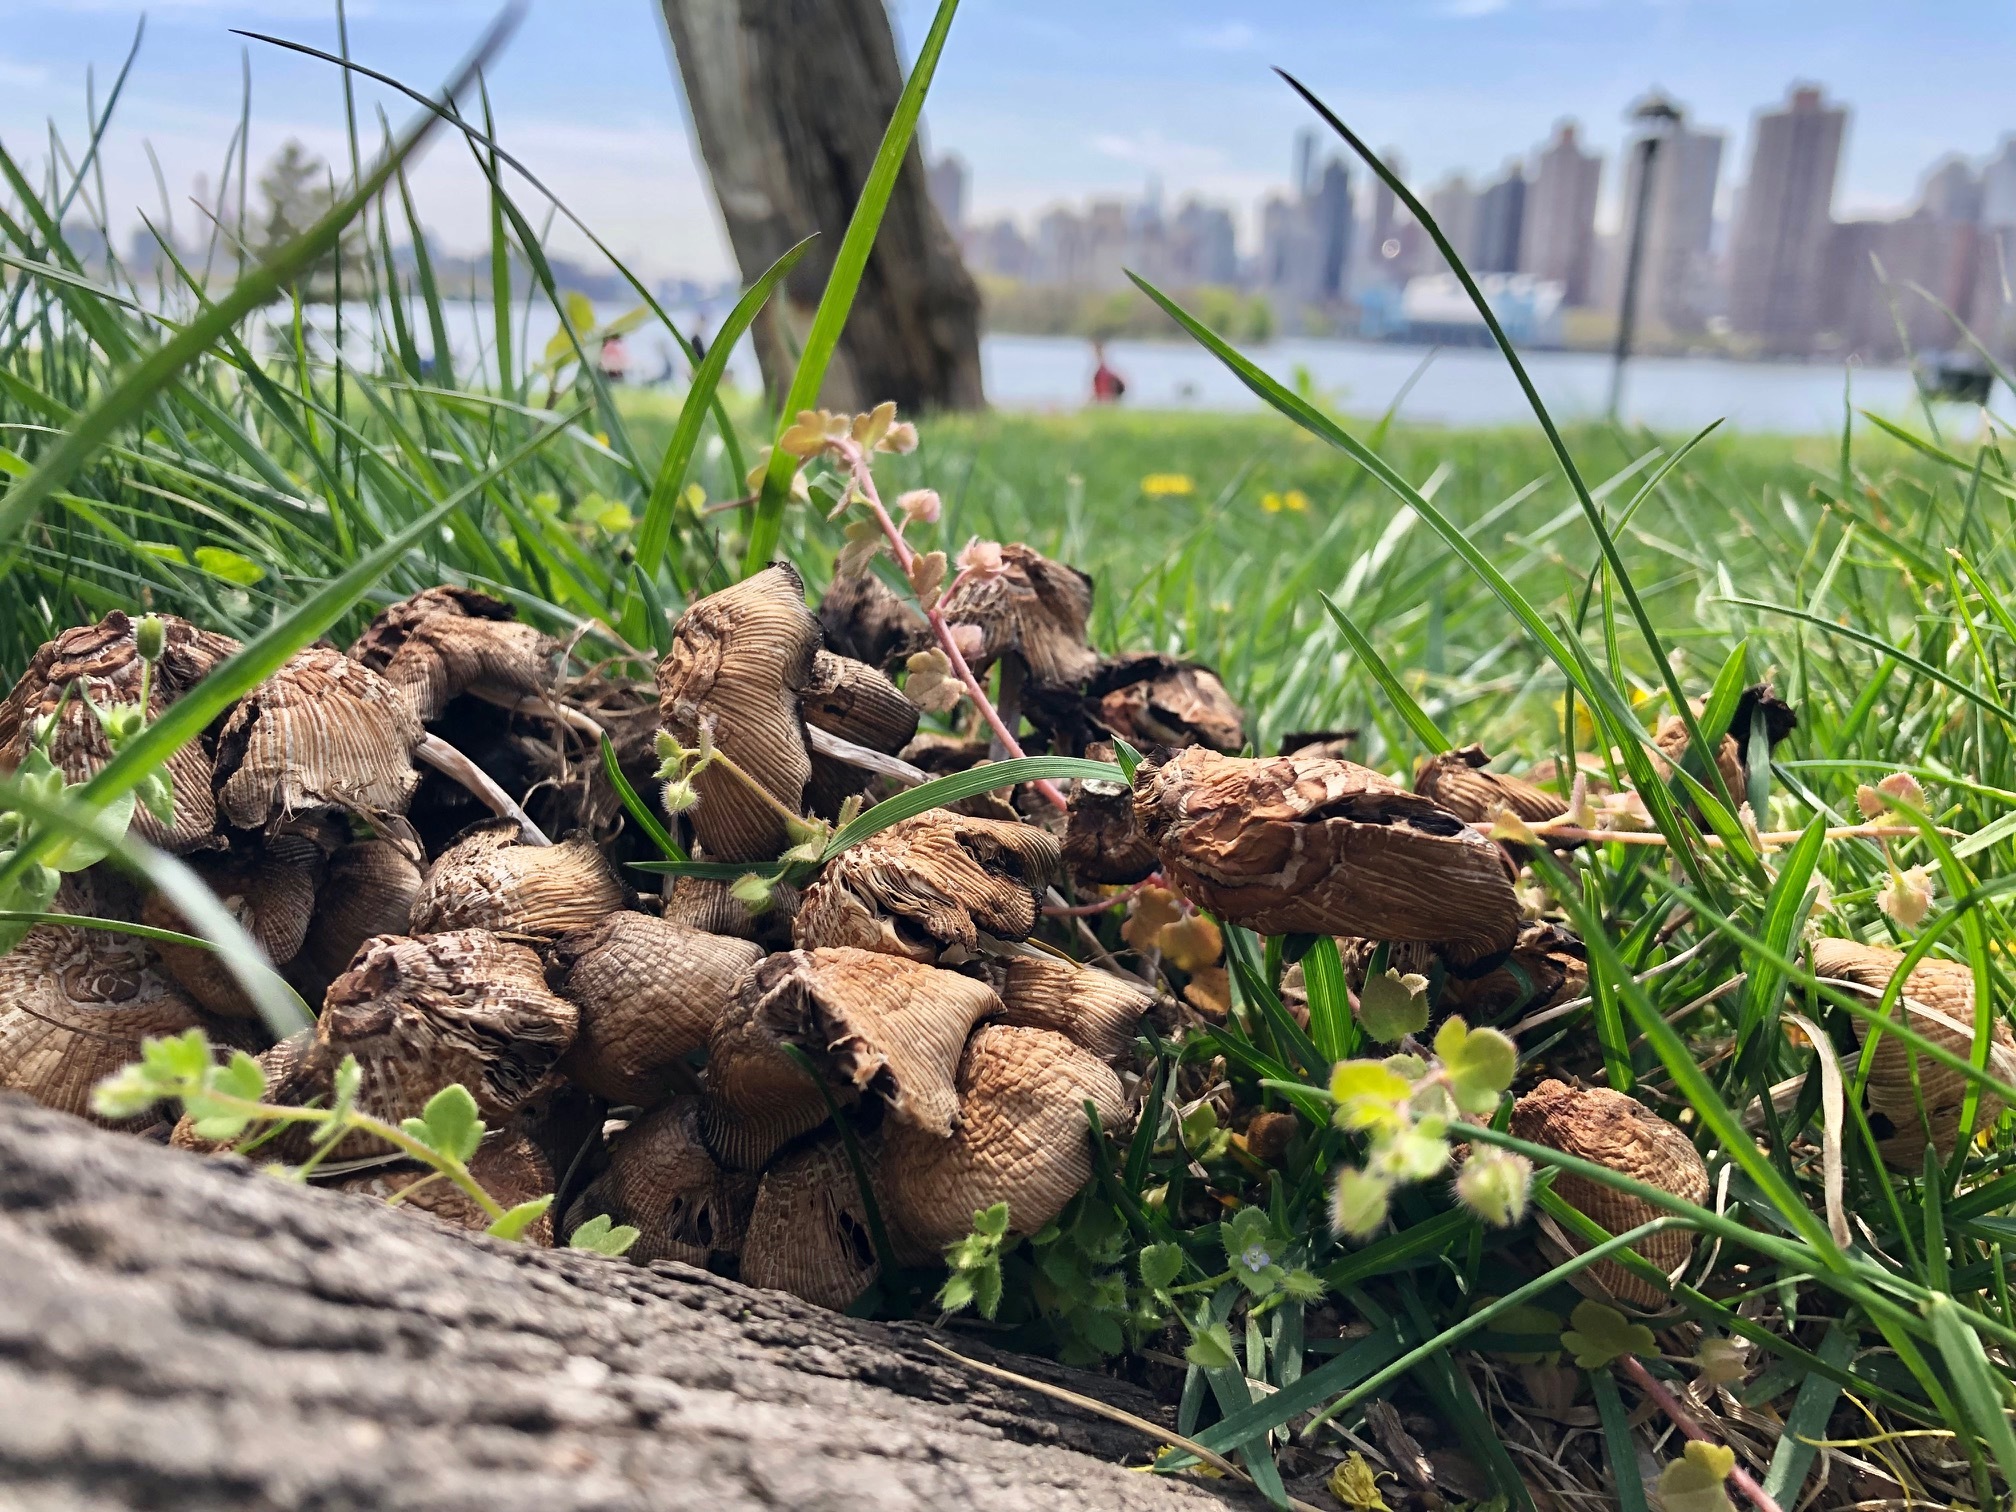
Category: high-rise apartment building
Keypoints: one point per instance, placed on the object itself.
(1453, 203)
(1501, 220)
(1558, 242)
(1951, 192)
(946, 179)
(1998, 186)
(1675, 274)
(1782, 232)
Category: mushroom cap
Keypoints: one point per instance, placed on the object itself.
(808, 1231)
(1103, 843)
(1035, 608)
(1095, 1010)
(851, 699)
(1295, 844)
(1937, 1002)
(422, 1012)
(872, 1023)
(1151, 700)
(1620, 1132)
(443, 642)
(269, 885)
(1671, 739)
(708, 904)
(738, 660)
(105, 659)
(284, 1065)
(929, 883)
(650, 992)
(1334, 745)
(507, 1165)
(1022, 1138)
(490, 879)
(1548, 965)
(662, 1182)
(863, 619)
(323, 732)
(368, 890)
(1459, 781)
(75, 1003)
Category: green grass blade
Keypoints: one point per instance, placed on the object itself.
(1981, 1390)
(1425, 729)
(1330, 1022)
(981, 779)
(636, 807)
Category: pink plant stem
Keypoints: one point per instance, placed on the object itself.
(1668, 1403)
(864, 480)
(1062, 911)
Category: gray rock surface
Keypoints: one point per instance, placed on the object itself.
(180, 1333)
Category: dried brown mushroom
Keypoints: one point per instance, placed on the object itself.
(1938, 1003)
(1463, 784)
(1610, 1129)
(1549, 965)
(490, 879)
(928, 884)
(1022, 1138)
(1150, 700)
(865, 620)
(324, 732)
(507, 1165)
(738, 660)
(808, 1231)
(75, 1003)
(1095, 1010)
(1733, 744)
(102, 663)
(709, 904)
(649, 992)
(447, 641)
(662, 1182)
(1033, 612)
(368, 890)
(269, 885)
(851, 699)
(1103, 843)
(875, 1024)
(1300, 845)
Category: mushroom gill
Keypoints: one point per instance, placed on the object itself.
(1095, 1010)
(738, 660)
(1463, 784)
(1036, 610)
(1610, 1129)
(75, 1003)
(490, 879)
(649, 992)
(506, 1165)
(1022, 1138)
(661, 1181)
(1306, 845)
(1156, 701)
(1938, 1003)
(103, 662)
(368, 890)
(871, 1023)
(808, 1231)
(446, 641)
(269, 885)
(928, 884)
(323, 732)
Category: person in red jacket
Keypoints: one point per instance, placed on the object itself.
(1107, 385)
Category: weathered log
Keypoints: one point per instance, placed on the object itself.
(181, 1333)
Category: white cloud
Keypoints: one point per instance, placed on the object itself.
(1471, 9)
(1157, 153)
(1233, 36)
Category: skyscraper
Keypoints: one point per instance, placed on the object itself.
(1998, 186)
(946, 180)
(1501, 218)
(1781, 234)
(1559, 240)
(1453, 203)
(1951, 192)
(1329, 208)
(1674, 281)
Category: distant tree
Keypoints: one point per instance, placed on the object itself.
(789, 99)
(295, 191)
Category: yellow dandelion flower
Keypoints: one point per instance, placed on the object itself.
(1295, 501)
(1164, 485)
(1271, 502)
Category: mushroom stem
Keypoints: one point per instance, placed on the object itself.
(864, 482)
(1651, 1385)
(1010, 703)
(833, 748)
(450, 762)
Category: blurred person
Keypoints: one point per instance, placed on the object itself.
(615, 358)
(1107, 385)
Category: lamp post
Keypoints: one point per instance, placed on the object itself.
(1657, 118)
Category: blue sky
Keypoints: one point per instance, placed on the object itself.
(1046, 100)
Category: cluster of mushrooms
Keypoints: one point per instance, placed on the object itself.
(709, 1066)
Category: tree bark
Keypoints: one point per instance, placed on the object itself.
(181, 1333)
(789, 99)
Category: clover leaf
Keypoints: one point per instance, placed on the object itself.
(1598, 1334)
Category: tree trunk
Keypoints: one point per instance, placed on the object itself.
(789, 99)
(180, 1333)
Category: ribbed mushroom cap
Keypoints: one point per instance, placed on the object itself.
(1103, 843)
(507, 1165)
(269, 885)
(324, 732)
(420, 1013)
(1938, 1003)
(808, 1231)
(1022, 1138)
(1095, 1010)
(288, 1083)
(650, 992)
(738, 660)
(708, 904)
(1036, 609)
(929, 883)
(490, 879)
(1671, 739)
(1151, 700)
(1459, 781)
(368, 890)
(446, 641)
(75, 1003)
(851, 699)
(662, 1182)
(1305, 845)
(1548, 965)
(864, 620)
(105, 660)
(1620, 1132)
(872, 1023)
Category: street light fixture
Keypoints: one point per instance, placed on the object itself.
(1657, 119)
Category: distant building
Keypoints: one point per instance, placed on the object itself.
(1328, 204)
(1381, 248)
(947, 181)
(1782, 231)
(1501, 221)
(1867, 301)
(998, 248)
(1998, 186)
(1676, 282)
(1058, 255)
(1203, 246)
(1951, 192)
(1559, 240)
(1435, 307)
(1453, 204)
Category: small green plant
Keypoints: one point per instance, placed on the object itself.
(602, 1237)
